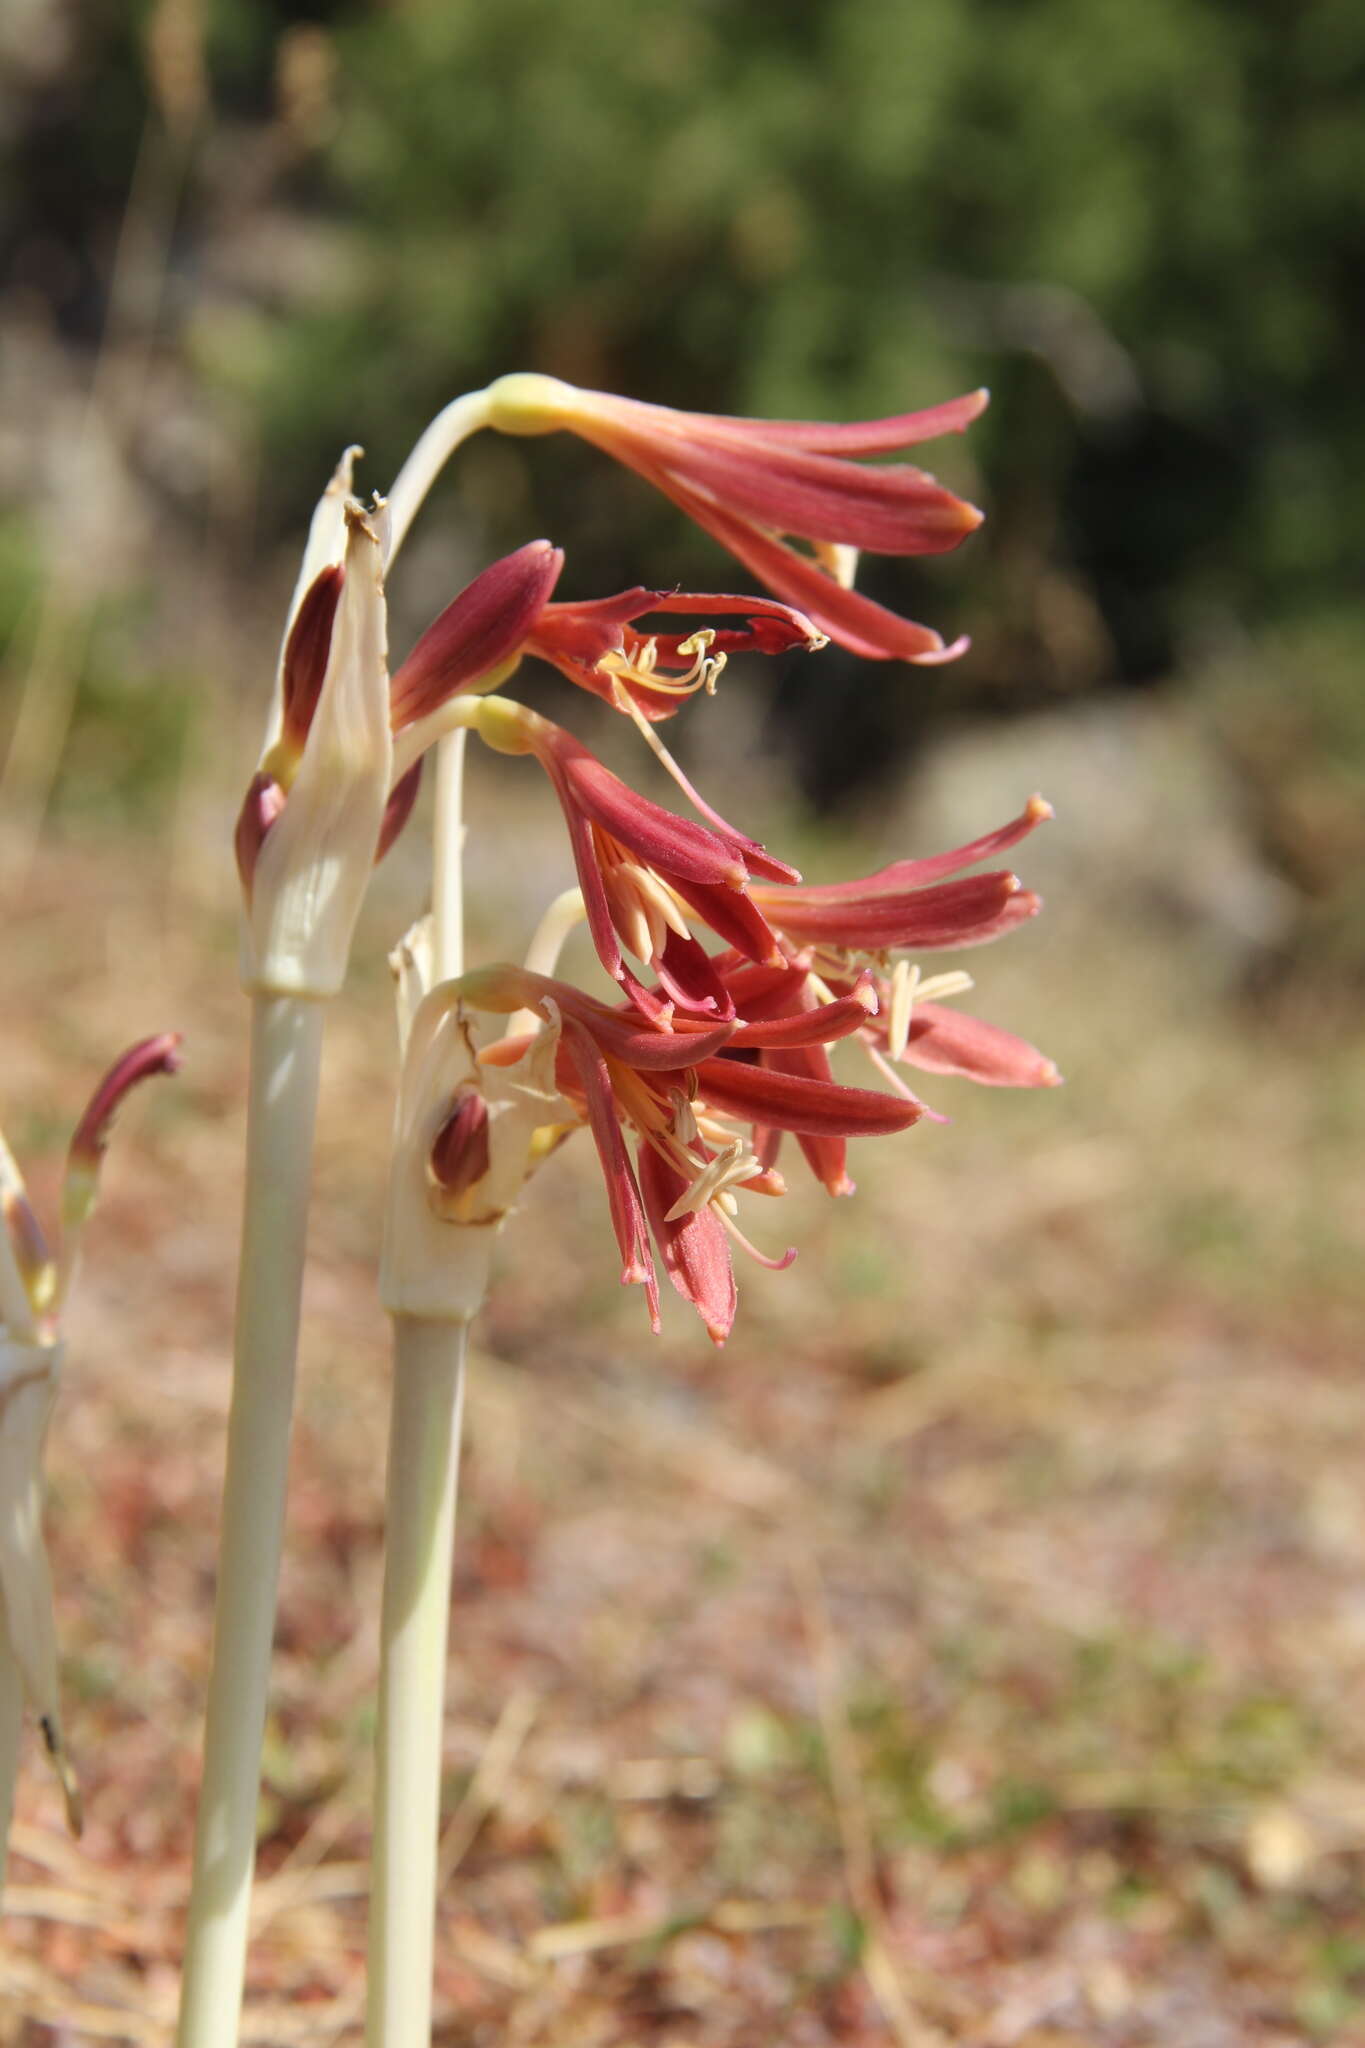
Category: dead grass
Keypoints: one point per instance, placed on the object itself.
(973, 1652)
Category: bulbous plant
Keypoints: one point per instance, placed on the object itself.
(35, 1285)
(734, 979)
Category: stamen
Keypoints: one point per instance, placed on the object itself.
(838, 560)
(935, 987)
(640, 667)
(760, 1258)
(737, 1162)
(905, 981)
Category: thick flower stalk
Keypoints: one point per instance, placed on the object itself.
(35, 1284)
(335, 783)
(750, 482)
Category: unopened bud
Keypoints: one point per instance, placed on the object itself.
(264, 801)
(459, 1154)
(305, 656)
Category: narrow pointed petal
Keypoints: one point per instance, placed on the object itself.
(261, 806)
(305, 654)
(80, 1185)
(941, 917)
(503, 989)
(623, 1195)
(732, 915)
(756, 858)
(897, 510)
(672, 844)
(858, 623)
(913, 874)
(947, 1041)
(825, 1153)
(694, 1248)
(822, 1024)
(483, 629)
(688, 979)
(862, 437)
(777, 483)
(795, 1103)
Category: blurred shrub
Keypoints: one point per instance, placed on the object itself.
(1290, 713)
(1136, 223)
(1140, 225)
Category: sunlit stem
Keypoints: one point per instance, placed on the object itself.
(424, 1457)
(419, 1524)
(542, 955)
(447, 865)
(286, 1044)
(461, 418)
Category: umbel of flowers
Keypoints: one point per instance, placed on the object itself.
(699, 1081)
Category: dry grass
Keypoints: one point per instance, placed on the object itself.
(973, 1652)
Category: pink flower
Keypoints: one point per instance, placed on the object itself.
(748, 482)
(687, 1095)
(597, 644)
(909, 903)
(645, 874)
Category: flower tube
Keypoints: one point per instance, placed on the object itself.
(749, 482)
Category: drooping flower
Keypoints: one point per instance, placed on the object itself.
(826, 930)
(645, 874)
(909, 903)
(35, 1283)
(749, 482)
(689, 1096)
(598, 644)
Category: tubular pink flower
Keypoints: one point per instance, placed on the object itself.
(907, 903)
(485, 627)
(598, 646)
(693, 1246)
(940, 918)
(687, 1094)
(642, 870)
(749, 482)
(158, 1055)
(946, 1041)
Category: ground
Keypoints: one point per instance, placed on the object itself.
(972, 1652)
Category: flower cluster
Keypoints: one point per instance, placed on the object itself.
(735, 978)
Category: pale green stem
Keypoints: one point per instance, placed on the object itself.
(447, 862)
(567, 910)
(542, 955)
(461, 418)
(424, 1458)
(11, 1729)
(419, 1552)
(286, 1045)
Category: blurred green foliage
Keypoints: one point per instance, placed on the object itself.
(1143, 227)
(1138, 224)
